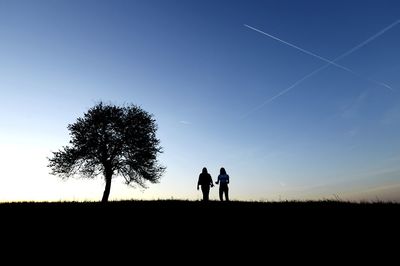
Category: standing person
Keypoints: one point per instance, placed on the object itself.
(205, 181)
(223, 178)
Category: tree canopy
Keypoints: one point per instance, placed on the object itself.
(110, 140)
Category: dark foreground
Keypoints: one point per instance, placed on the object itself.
(250, 230)
(180, 213)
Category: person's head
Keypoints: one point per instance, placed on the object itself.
(222, 171)
(204, 170)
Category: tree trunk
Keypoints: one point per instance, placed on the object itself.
(108, 176)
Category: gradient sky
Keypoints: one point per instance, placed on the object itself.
(209, 80)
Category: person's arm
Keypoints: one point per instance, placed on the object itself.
(217, 181)
(211, 181)
(227, 179)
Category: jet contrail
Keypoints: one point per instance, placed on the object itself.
(323, 67)
(332, 62)
(284, 91)
(373, 37)
(294, 46)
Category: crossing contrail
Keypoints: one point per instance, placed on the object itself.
(332, 62)
(329, 62)
(373, 37)
(284, 91)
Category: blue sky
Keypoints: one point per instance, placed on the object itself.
(208, 80)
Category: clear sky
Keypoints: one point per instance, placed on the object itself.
(223, 94)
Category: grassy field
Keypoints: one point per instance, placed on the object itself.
(178, 211)
(194, 206)
(179, 224)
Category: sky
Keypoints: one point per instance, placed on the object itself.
(298, 100)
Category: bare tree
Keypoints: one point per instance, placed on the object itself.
(112, 141)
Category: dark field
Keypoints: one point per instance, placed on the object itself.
(247, 230)
(181, 212)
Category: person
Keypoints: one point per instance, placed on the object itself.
(223, 179)
(205, 181)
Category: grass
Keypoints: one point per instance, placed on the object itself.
(177, 208)
(162, 223)
(196, 203)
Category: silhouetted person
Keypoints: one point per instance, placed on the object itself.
(205, 181)
(223, 179)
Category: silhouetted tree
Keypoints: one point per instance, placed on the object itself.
(111, 140)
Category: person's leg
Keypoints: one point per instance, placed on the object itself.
(227, 193)
(206, 192)
(221, 192)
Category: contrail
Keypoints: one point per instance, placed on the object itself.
(332, 62)
(373, 37)
(284, 91)
(294, 46)
(323, 67)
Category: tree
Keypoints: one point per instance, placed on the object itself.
(113, 141)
